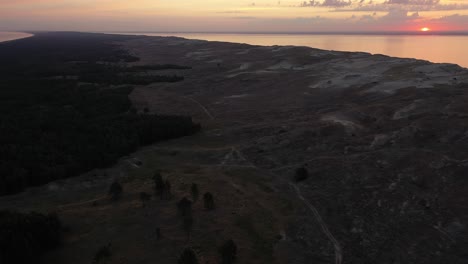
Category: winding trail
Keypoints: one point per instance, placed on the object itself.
(201, 106)
(323, 225)
(318, 217)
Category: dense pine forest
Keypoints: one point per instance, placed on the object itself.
(65, 107)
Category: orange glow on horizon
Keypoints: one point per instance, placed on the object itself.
(425, 29)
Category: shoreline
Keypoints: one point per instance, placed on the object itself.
(25, 35)
(341, 43)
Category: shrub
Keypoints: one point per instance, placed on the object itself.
(185, 207)
(144, 197)
(209, 201)
(194, 191)
(103, 254)
(301, 174)
(188, 257)
(158, 183)
(228, 252)
(115, 191)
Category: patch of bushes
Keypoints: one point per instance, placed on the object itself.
(24, 237)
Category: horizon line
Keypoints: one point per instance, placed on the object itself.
(447, 33)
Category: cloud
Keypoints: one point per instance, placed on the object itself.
(411, 6)
(413, 2)
(244, 17)
(386, 6)
(326, 3)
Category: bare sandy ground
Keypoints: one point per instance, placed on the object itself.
(381, 136)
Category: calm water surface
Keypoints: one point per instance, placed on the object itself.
(450, 49)
(7, 36)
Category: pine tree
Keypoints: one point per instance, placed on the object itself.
(185, 207)
(188, 257)
(115, 191)
(228, 252)
(144, 197)
(209, 201)
(194, 191)
(301, 174)
(158, 183)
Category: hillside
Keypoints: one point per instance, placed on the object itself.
(382, 140)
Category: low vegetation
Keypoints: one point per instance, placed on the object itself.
(24, 237)
(208, 200)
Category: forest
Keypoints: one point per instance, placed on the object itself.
(65, 108)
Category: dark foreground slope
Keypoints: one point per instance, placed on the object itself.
(65, 108)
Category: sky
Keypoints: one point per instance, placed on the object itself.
(235, 15)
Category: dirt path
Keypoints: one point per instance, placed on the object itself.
(317, 216)
(201, 106)
(323, 225)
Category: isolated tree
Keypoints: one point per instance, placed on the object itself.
(167, 192)
(228, 252)
(158, 183)
(208, 201)
(188, 257)
(187, 224)
(103, 254)
(115, 191)
(194, 191)
(144, 197)
(185, 207)
(301, 174)
(158, 233)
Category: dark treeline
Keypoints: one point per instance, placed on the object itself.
(54, 126)
(24, 237)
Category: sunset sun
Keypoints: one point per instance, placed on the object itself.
(425, 29)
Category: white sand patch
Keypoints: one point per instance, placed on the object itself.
(199, 54)
(245, 66)
(243, 52)
(323, 53)
(216, 61)
(281, 48)
(346, 122)
(236, 96)
(252, 72)
(284, 65)
(391, 87)
(409, 110)
(353, 79)
(379, 140)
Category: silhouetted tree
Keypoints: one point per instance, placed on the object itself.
(185, 207)
(158, 183)
(103, 254)
(188, 257)
(301, 174)
(194, 191)
(115, 191)
(158, 233)
(167, 191)
(208, 201)
(228, 252)
(144, 197)
(187, 224)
